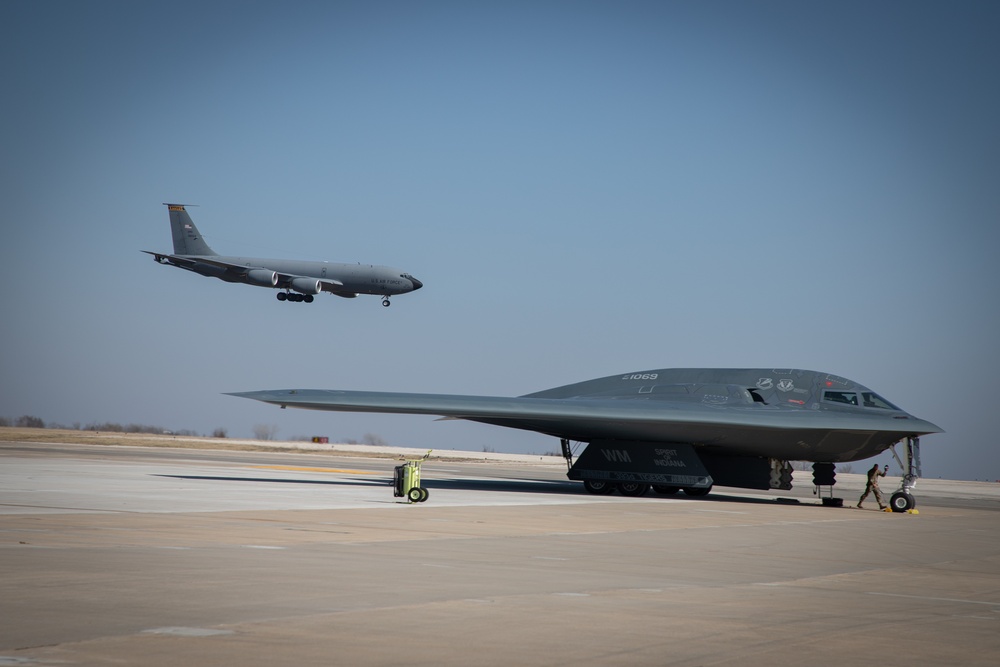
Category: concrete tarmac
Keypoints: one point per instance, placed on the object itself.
(138, 556)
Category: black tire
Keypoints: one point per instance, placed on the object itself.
(633, 489)
(695, 492)
(309, 298)
(424, 494)
(282, 296)
(414, 495)
(901, 501)
(598, 487)
(665, 490)
(385, 302)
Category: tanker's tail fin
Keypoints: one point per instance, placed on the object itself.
(187, 238)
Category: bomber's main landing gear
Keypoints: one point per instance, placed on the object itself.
(598, 487)
(633, 489)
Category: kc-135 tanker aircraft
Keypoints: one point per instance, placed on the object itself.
(680, 429)
(299, 279)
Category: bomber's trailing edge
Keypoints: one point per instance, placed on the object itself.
(679, 429)
(298, 279)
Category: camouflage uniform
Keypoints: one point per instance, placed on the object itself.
(872, 486)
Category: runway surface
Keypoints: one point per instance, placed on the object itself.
(122, 555)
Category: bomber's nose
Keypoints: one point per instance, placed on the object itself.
(416, 283)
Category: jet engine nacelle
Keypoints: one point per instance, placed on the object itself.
(306, 285)
(262, 277)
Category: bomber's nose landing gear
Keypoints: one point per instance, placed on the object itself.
(903, 500)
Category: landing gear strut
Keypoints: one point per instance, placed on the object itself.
(903, 500)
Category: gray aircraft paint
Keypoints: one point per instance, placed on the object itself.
(192, 253)
(715, 410)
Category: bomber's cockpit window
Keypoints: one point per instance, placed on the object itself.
(872, 400)
(842, 397)
(869, 399)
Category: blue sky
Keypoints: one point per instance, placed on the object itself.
(585, 188)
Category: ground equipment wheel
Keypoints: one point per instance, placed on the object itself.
(424, 495)
(414, 495)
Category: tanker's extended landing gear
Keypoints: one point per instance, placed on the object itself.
(903, 500)
(292, 296)
(385, 301)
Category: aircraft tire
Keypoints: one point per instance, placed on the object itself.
(598, 487)
(696, 492)
(308, 298)
(902, 501)
(282, 296)
(665, 490)
(385, 302)
(633, 489)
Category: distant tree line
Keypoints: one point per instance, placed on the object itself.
(260, 431)
(29, 421)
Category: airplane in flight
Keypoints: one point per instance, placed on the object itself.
(681, 428)
(298, 279)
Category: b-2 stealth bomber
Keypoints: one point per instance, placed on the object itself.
(680, 429)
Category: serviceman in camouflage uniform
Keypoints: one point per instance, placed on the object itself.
(872, 486)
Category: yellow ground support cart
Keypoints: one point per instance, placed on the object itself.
(406, 481)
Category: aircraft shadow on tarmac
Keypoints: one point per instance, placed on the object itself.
(499, 485)
(509, 485)
(277, 480)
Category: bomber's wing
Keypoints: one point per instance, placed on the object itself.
(587, 419)
(578, 418)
